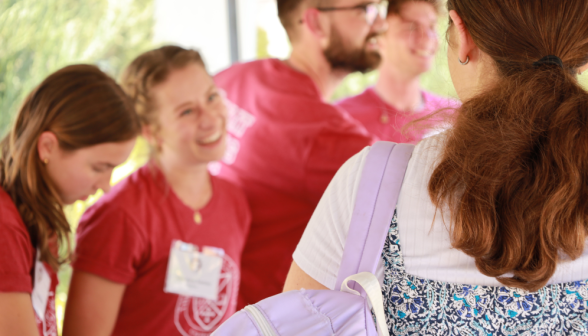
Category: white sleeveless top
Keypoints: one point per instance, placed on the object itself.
(425, 240)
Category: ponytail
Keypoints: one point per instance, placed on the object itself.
(514, 170)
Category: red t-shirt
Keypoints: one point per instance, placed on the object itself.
(386, 122)
(285, 145)
(127, 235)
(17, 261)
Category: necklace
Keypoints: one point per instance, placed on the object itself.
(384, 118)
(197, 217)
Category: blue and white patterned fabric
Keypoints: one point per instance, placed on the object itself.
(417, 306)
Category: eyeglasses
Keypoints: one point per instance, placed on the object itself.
(418, 30)
(371, 10)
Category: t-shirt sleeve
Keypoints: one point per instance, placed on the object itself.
(330, 149)
(16, 256)
(320, 250)
(109, 244)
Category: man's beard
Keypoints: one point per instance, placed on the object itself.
(343, 58)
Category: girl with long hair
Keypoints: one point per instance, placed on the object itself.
(491, 224)
(160, 255)
(69, 134)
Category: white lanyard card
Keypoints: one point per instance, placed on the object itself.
(41, 288)
(193, 273)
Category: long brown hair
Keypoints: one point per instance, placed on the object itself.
(514, 171)
(83, 107)
(150, 69)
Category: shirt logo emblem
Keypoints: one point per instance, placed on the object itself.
(199, 317)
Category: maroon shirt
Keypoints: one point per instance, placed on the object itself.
(387, 123)
(127, 235)
(17, 260)
(285, 146)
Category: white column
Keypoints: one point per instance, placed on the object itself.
(247, 23)
(267, 19)
(203, 25)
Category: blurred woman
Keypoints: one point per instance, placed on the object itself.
(408, 50)
(491, 223)
(69, 134)
(160, 254)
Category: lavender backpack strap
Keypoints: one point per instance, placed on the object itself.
(375, 202)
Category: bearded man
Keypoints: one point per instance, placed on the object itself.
(286, 141)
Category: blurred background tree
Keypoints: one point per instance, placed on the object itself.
(262, 43)
(39, 37)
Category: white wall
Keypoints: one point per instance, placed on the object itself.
(247, 20)
(203, 25)
(267, 18)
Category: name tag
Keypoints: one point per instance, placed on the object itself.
(41, 288)
(193, 273)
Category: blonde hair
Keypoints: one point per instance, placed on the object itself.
(150, 69)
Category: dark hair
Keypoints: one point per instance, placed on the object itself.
(395, 6)
(514, 170)
(287, 13)
(288, 10)
(83, 107)
(150, 69)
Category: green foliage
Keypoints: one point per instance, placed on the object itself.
(354, 84)
(262, 43)
(39, 37)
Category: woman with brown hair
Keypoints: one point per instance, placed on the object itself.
(160, 255)
(491, 223)
(69, 134)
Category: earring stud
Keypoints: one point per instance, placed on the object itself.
(45, 161)
(466, 61)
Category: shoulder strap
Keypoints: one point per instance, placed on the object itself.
(370, 285)
(375, 202)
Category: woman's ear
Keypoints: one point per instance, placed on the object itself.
(148, 132)
(47, 146)
(466, 47)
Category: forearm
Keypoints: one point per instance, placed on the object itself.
(93, 305)
(17, 316)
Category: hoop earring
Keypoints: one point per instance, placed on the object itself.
(466, 61)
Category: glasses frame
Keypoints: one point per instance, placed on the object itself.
(381, 9)
(421, 30)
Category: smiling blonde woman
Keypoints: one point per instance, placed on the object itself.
(160, 255)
